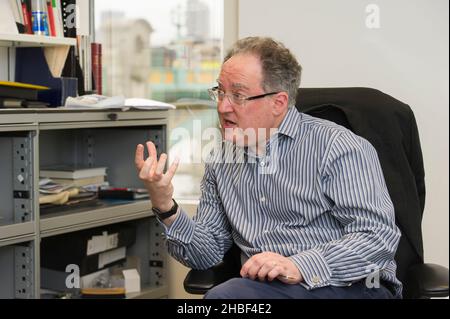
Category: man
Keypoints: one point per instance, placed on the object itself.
(318, 224)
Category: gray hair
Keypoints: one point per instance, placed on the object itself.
(281, 70)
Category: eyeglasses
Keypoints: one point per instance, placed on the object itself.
(218, 95)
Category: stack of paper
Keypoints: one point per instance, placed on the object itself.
(94, 101)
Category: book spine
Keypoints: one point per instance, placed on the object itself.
(116, 194)
(96, 57)
(56, 4)
(26, 12)
(51, 18)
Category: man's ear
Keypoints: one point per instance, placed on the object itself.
(281, 102)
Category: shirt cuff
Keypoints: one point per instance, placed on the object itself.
(182, 228)
(313, 267)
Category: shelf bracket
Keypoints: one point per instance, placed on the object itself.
(24, 271)
(157, 253)
(23, 178)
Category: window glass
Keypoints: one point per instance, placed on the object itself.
(169, 51)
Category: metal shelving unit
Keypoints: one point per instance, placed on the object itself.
(33, 138)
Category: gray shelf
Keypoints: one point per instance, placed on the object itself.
(68, 118)
(60, 223)
(31, 40)
(16, 233)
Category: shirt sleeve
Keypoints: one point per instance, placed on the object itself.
(201, 242)
(352, 182)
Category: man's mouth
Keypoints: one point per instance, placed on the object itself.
(229, 124)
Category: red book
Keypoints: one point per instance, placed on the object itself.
(51, 18)
(96, 58)
(26, 17)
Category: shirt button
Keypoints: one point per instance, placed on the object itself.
(263, 199)
(263, 164)
(315, 280)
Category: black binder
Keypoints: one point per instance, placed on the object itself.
(57, 252)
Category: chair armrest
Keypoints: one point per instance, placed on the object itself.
(198, 282)
(428, 281)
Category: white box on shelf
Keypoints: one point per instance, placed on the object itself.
(132, 280)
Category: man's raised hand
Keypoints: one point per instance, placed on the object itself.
(151, 172)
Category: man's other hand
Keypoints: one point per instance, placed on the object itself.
(270, 266)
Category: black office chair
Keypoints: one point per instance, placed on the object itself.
(391, 127)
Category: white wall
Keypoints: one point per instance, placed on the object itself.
(407, 57)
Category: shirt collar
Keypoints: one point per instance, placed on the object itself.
(290, 123)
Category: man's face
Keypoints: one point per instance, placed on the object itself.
(242, 74)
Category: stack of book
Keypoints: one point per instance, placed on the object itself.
(20, 95)
(77, 176)
(66, 187)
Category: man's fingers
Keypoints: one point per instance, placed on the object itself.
(161, 164)
(151, 149)
(139, 157)
(173, 168)
(144, 173)
(252, 267)
(274, 273)
(152, 153)
(265, 269)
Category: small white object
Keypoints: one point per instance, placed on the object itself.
(132, 280)
(95, 101)
(20, 178)
(111, 256)
(144, 104)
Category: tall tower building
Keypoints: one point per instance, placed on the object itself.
(197, 20)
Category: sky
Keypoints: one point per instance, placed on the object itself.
(158, 13)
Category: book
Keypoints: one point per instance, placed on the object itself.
(96, 60)
(19, 103)
(51, 18)
(56, 4)
(71, 172)
(26, 13)
(94, 180)
(122, 193)
(19, 90)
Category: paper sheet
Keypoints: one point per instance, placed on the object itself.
(7, 22)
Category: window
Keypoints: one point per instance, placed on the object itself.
(169, 51)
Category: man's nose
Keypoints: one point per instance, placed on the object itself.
(224, 106)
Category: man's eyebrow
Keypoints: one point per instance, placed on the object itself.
(234, 85)
(239, 86)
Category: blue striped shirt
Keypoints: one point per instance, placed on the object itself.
(317, 196)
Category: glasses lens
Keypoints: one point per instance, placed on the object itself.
(213, 94)
(236, 99)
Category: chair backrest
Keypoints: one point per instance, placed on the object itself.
(389, 125)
